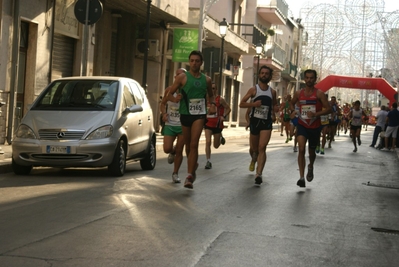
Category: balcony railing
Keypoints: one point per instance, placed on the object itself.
(250, 32)
(290, 71)
(280, 7)
(277, 54)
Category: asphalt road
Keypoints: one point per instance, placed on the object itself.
(348, 216)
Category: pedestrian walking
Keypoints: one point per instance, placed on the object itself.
(263, 106)
(196, 90)
(214, 125)
(310, 101)
(172, 129)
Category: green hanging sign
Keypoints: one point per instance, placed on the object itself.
(184, 41)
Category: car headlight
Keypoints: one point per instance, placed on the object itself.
(102, 132)
(25, 132)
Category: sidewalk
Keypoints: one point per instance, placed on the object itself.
(228, 133)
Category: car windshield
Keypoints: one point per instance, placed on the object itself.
(79, 95)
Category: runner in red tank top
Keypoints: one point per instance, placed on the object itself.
(311, 102)
(214, 126)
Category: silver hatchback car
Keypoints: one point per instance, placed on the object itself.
(86, 122)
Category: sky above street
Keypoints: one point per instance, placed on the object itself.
(295, 5)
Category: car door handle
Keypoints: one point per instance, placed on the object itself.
(140, 122)
(149, 118)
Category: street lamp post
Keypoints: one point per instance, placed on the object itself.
(259, 49)
(223, 26)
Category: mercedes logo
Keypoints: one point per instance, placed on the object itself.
(60, 135)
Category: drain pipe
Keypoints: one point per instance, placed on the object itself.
(14, 70)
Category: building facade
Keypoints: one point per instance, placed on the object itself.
(42, 40)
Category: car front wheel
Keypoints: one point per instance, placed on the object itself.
(118, 165)
(20, 169)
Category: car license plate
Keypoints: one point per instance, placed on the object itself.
(58, 149)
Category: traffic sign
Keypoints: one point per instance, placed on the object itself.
(94, 14)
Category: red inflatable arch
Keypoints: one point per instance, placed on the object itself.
(379, 84)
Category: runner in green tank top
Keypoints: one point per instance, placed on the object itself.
(196, 90)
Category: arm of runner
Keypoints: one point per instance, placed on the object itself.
(274, 104)
(210, 97)
(226, 106)
(293, 102)
(247, 117)
(179, 82)
(163, 104)
(244, 104)
(323, 99)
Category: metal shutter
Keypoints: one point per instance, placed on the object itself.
(63, 55)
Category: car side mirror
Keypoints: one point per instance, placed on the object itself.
(133, 109)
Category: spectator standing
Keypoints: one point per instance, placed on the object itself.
(380, 125)
(392, 129)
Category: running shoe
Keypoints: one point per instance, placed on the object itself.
(301, 182)
(171, 158)
(317, 149)
(371, 145)
(385, 149)
(258, 180)
(189, 182)
(252, 166)
(322, 151)
(355, 150)
(175, 178)
(222, 140)
(295, 149)
(290, 138)
(208, 165)
(309, 176)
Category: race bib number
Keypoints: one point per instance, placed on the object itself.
(324, 120)
(305, 109)
(197, 106)
(261, 112)
(174, 115)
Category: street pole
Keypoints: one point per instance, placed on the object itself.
(259, 49)
(144, 83)
(257, 70)
(223, 27)
(221, 67)
(85, 39)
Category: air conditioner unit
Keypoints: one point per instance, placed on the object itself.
(153, 46)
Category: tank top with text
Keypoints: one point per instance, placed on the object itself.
(194, 92)
(172, 109)
(309, 103)
(357, 117)
(264, 112)
(213, 120)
